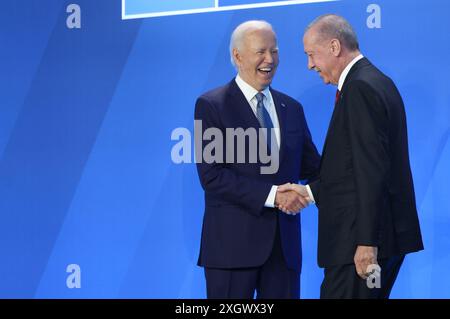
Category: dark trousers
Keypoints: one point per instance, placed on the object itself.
(272, 280)
(342, 282)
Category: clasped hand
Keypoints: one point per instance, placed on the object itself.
(291, 198)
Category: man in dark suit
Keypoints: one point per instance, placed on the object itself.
(247, 244)
(365, 194)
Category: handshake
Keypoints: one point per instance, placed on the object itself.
(291, 198)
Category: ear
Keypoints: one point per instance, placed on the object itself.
(236, 57)
(335, 47)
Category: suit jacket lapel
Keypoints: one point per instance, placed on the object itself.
(241, 107)
(361, 63)
(324, 151)
(280, 107)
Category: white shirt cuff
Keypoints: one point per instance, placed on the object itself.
(270, 202)
(310, 194)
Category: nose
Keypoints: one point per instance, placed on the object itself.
(269, 58)
(310, 63)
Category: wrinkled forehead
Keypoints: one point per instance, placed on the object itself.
(313, 41)
(311, 36)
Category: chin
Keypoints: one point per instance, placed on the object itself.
(264, 85)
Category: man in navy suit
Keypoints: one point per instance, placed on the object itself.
(248, 244)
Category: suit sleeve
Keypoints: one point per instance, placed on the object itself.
(309, 170)
(219, 179)
(368, 133)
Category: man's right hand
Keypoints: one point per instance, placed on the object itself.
(300, 189)
(289, 201)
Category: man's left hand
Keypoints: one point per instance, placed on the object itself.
(365, 256)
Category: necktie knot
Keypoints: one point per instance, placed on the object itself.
(259, 97)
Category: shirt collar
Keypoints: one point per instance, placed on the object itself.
(346, 70)
(248, 90)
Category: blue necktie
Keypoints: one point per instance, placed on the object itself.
(264, 119)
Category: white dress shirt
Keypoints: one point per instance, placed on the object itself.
(250, 95)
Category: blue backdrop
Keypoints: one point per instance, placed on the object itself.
(86, 117)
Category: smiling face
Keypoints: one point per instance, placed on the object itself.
(257, 58)
(322, 56)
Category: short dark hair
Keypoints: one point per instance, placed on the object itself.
(331, 26)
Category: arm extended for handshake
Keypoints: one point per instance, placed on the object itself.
(292, 198)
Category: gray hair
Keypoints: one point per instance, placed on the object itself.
(238, 35)
(331, 26)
